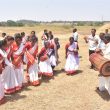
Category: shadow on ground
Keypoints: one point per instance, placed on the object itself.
(104, 95)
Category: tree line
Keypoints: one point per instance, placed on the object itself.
(21, 23)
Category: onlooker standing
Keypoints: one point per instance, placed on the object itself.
(75, 35)
(106, 31)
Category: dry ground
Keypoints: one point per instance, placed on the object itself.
(77, 92)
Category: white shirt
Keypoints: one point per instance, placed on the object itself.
(106, 52)
(75, 36)
(101, 45)
(92, 41)
(24, 39)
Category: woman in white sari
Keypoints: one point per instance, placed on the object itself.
(18, 51)
(2, 57)
(30, 59)
(72, 58)
(8, 72)
(44, 65)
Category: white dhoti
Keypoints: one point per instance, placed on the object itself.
(104, 83)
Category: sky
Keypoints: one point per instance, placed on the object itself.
(50, 10)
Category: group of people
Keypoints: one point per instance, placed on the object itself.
(20, 50)
(100, 45)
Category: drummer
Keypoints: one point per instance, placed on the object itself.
(101, 45)
(93, 41)
(104, 82)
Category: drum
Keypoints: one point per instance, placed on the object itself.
(100, 63)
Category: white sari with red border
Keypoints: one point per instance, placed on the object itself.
(19, 69)
(9, 75)
(32, 68)
(2, 56)
(72, 61)
(45, 66)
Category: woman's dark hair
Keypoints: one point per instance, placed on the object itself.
(18, 36)
(33, 32)
(22, 34)
(71, 38)
(107, 37)
(9, 38)
(94, 29)
(3, 43)
(3, 34)
(74, 30)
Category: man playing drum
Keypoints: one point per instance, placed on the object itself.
(104, 81)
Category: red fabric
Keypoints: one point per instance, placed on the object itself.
(28, 45)
(17, 60)
(67, 45)
(14, 47)
(1, 65)
(10, 53)
(35, 83)
(35, 52)
(43, 58)
(43, 54)
(71, 72)
(51, 45)
(1, 68)
(10, 91)
(18, 88)
(43, 51)
(30, 58)
(47, 74)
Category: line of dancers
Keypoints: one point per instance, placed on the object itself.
(22, 51)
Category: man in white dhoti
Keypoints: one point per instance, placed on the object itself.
(104, 82)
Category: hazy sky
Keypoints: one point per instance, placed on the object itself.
(47, 10)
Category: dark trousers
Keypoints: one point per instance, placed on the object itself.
(91, 52)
